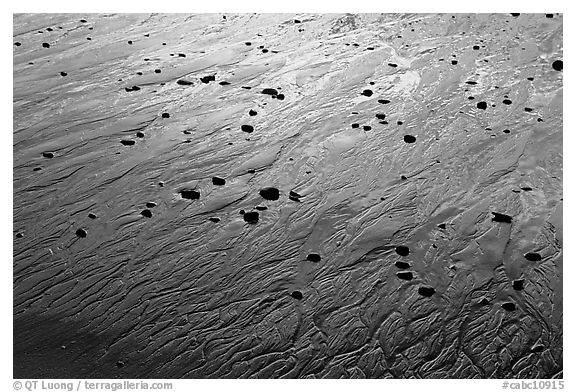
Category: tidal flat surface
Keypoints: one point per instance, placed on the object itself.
(287, 196)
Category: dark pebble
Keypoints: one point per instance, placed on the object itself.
(280, 97)
(426, 291)
(270, 91)
(392, 65)
(190, 194)
(383, 101)
(515, 14)
(380, 116)
(454, 62)
(181, 55)
(63, 74)
(367, 93)
(297, 295)
(165, 115)
(402, 250)
(252, 112)
(184, 82)
(294, 194)
(509, 306)
(367, 127)
(294, 198)
(402, 264)
(297, 21)
(442, 226)
(518, 284)
(120, 364)
(549, 15)
(558, 65)
(482, 105)
(247, 128)
(270, 193)
(409, 139)
(264, 50)
(533, 256)
(129, 42)
(48, 154)
(151, 204)
(405, 275)
(218, 181)
(140, 134)
(476, 47)
(251, 217)
(537, 348)
(127, 142)
(208, 79)
(157, 71)
(498, 217)
(224, 83)
(19, 235)
(146, 213)
(261, 208)
(215, 219)
(507, 102)
(17, 43)
(526, 188)
(45, 45)
(355, 125)
(92, 216)
(528, 109)
(81, 233)
(314, 257)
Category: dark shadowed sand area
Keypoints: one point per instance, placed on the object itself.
(287, 196)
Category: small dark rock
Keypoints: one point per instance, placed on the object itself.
(402, 264)
(314, 257)
(518, 284)
(247, 128)
(498, 217)
(270, 91)
(190, 194)
(81, 233)
(297, 295)
(403, 250)
(509, 306)
(218, 181)
(533, 256)
(426, 291)
(270, 193)
(405, 275)
(184, 82)
(251, 217)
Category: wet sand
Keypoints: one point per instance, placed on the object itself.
(287, 196)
